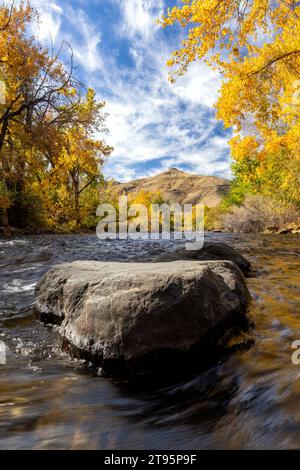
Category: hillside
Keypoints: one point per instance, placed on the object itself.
(176, 186)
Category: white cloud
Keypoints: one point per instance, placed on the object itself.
(199, 85)
(86, 46)
(140, 16)
(147, 120)
(147, 126)
(84, 36)
(49, 25)
(50, 18)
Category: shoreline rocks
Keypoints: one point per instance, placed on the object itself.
(132, 317)
(293, 229)
(211, 251)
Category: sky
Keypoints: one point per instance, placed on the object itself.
(121, 52)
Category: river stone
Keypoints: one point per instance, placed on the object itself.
(128, 316)
(210, 251)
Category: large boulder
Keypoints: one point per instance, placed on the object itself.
(132, 316)
(211, 251)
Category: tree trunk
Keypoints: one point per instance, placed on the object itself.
(4, 218)
(3, 133)
(4, 212)
(76, 198)
(19, 211)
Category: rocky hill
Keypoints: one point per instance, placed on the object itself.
(176, 186)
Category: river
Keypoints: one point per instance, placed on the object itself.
(249, 401)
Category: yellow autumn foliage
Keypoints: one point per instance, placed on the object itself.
(50, 152)
(255, 45)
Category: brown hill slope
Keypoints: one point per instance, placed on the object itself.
(176, 186)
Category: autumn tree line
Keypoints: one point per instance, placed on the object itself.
(50, 155)
(51, 149)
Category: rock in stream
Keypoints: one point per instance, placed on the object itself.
(129, 317)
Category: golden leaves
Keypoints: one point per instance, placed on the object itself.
(47, 125)
(256, 45)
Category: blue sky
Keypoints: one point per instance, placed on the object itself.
(121, 52)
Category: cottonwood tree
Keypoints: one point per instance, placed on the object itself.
(81, 155)
(255, 44)
(45, 107)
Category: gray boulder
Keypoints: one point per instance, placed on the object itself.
(134, 316)
(211, 251)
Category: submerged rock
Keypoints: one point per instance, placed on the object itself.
(211, 251)
(135, 316)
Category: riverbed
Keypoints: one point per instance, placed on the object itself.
(251, 400)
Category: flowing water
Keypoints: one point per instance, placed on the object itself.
(49, 401)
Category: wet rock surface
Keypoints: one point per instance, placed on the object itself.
(210, 251)
(128, 316)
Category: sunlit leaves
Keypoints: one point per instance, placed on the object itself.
(255, 44)
(48, 126)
